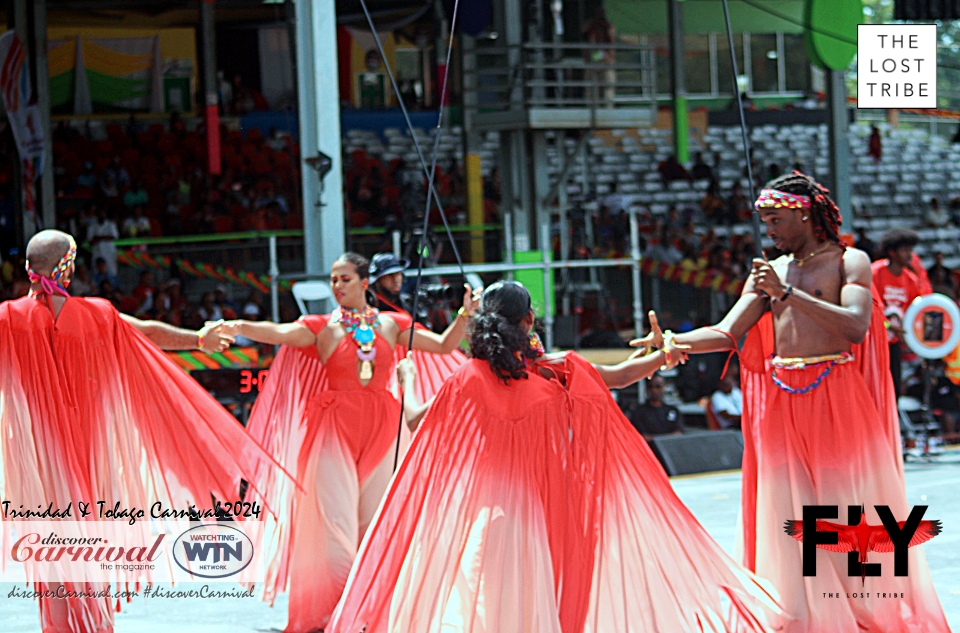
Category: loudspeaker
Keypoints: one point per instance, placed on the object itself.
(699, 452)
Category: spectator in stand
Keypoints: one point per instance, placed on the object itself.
(897, 286)
(136, 195)
(109, 292)
(663, 250)
(865, 244)
(179, 309)
(144, 292)
(160, 311)
(87, 178)
(82, 285)
(102, 274)
(137, 225)
(108, 186)
(701, 170)
(875, 145)
(269, 196)
(116, 170)
(671, 170)
(944, 394)
(944, 276)
(653, 417)
(935, 216)
(209, 310)
(714, 210)
(230, 309)
(101, 234)
(253, 307)
(727, 403)
(739, 206)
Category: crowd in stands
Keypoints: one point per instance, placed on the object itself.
(152, 180)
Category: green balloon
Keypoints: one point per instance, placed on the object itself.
(831, 31)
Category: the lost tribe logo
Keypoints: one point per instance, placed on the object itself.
(858, 538)
(213, 551)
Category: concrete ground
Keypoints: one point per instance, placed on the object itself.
(714, 499)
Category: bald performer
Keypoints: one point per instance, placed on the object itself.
(91, 409)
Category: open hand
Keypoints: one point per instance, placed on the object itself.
(653, 339)
(471, 300)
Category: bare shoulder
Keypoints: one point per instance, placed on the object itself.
(856, 266)
(388, 323)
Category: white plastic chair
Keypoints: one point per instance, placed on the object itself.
(304, 291)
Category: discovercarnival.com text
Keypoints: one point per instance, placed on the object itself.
(62, 593)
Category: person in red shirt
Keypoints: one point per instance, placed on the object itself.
(897, 286)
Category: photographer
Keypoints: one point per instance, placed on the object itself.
(386, 276)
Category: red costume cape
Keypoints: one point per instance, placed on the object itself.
(839, 444)
(535, 506)
(277, 420)
(91, 410)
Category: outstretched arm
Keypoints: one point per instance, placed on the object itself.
(209, 338)
(293, 334)
(637, 367)
(721, 337)
(427, 341)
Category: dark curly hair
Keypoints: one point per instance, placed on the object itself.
(496, 335)
(823, 211)
(895, 238)
(362, 264)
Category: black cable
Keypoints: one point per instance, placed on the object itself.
(416, 142)
(430, 177)
(743, 129)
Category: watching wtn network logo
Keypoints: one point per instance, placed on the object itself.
(213, 551)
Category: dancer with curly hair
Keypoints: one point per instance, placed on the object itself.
(527, 502)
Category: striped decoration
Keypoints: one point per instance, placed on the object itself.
(202, 270)
(233, 358)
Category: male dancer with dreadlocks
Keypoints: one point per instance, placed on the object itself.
(819, 419)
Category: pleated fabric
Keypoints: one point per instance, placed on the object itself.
(339, 438)
(91, 410)
(535, 506)
(838, 444)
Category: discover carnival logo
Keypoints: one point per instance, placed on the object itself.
(213, 551)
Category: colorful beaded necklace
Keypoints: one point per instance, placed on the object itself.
(361, 325)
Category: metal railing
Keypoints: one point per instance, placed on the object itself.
(528, 76)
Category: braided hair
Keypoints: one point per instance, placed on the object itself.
(496, 335)
(823, 211)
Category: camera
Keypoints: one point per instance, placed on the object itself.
(440, 293)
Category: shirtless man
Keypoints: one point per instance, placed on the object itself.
(814, 432)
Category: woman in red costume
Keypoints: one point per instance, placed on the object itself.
(819, 419)
(330, 414)
(91, 409)
(527, 502)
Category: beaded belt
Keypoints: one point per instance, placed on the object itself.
(829, 361)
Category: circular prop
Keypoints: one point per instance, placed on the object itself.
(931, 326)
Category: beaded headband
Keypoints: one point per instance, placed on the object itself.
(51, 285)
(781, 199)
